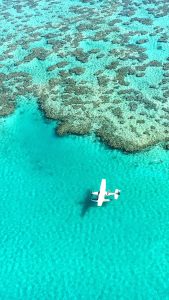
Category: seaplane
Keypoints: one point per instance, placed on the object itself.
(102, 193)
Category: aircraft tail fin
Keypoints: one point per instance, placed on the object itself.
(116, 194)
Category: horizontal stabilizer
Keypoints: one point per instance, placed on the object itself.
(116, 194)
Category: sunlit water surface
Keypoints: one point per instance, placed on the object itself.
(55, 244)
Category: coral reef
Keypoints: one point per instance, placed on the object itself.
(102, 67)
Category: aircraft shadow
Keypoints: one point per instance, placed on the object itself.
(87, 204)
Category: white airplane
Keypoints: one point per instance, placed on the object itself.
(102, 193)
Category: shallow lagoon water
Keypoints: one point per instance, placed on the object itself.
(55, 244)
(100, 67)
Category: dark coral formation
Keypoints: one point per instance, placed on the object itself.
(98, 67)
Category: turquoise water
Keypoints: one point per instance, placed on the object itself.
(55, 243)
(101, 66)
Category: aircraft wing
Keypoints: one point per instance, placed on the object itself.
(102, 192)
(100, 200)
